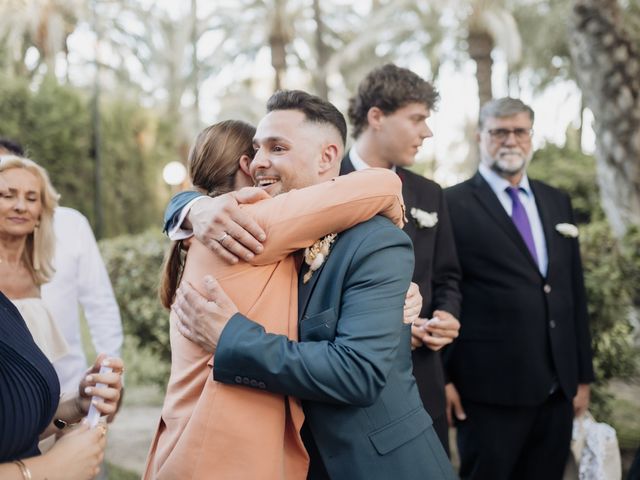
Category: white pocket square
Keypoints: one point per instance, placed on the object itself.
(568, 230)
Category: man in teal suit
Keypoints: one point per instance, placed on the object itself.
(352, 367)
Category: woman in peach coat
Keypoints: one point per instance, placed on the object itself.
(212, 430)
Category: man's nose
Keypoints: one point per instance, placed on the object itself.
(426, 132)
(260, 160)
(511, 138)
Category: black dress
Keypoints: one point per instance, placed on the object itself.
(29, 387)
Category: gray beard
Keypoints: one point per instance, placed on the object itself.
(508, 171)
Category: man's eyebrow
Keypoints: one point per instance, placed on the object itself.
(273, 139)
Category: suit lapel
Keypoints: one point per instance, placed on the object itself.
(494, 208)
(544, 210)
(306, 289)
(346, 166)
(408, 194)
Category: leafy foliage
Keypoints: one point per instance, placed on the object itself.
(53, 123)
(133, 263)
(574, 172)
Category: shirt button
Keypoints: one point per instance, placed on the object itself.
(245, 380)
(238, 379)
(253, 383)
(547, 288)
(262, 385)
(552, 323)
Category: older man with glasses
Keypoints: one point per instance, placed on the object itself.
(522, 365)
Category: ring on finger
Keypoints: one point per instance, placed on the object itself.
(219, 240)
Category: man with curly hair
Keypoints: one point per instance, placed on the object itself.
(388, 115)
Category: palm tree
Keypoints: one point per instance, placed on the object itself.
(607, 64)
(43, 24)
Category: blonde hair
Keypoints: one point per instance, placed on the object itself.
(40, 244)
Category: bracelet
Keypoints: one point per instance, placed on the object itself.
(24, 470)
(59, 423)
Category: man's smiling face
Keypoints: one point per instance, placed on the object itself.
(288, 151)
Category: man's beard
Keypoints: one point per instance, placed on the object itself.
(506, 168)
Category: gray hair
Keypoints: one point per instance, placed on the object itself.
(503, 107)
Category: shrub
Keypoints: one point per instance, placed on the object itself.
(54, 125)
(133, 263)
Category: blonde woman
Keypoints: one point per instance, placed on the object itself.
(26, 247)
(30, 405)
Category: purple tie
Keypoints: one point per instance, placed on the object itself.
(521, 220)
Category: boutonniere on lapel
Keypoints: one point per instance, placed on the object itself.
(424, 219)
(568, 230)
(316, 254)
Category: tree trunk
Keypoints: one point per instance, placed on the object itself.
(322, 54)
(278, 40)
(195, 72)
(608, 71)
(480, 47)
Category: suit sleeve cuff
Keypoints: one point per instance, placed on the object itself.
(223, 360)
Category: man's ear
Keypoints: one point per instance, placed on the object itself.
(331, 155)
(244, 163)
(375, 116)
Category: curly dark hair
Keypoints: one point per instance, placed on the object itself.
(314, 108)
(389, 88)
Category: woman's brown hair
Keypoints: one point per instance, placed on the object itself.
(213, 163)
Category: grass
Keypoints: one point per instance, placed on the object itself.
(115, 472)
(626, 420)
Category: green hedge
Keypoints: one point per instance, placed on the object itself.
(53, 122)
(133, 263)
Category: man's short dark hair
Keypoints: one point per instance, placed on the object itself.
(314, 108)
(12, 146)
(389, 88)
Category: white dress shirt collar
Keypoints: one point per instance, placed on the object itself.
(357, 161)
(499, 186)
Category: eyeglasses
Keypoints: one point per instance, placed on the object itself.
(501, 134)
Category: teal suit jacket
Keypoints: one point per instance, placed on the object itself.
(352, 367)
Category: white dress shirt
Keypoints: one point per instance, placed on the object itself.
(357, 161)
(176, 232)
(499, 186)
(81, 279)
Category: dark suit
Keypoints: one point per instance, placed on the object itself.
(523, 334)
(437, 273)
(352, 366)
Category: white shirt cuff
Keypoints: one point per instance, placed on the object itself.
(177, 232)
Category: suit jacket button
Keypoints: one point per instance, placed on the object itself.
(547, 288)
(552, 323)
(253, 383)
(245, 380)
(262, 385)
(238, 379)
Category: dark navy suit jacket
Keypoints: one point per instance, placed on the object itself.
(522, 332)
(352, 366)
(436, 272)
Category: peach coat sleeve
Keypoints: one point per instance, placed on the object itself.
(298, 218)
